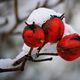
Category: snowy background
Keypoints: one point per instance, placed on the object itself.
(57, 69)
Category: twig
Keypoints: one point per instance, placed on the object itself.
(10, 69)
(19, 68)
(41, 60)
(29, 57)
(25, 58)
(52, 54)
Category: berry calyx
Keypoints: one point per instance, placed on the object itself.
(31, 26)
(60, 17)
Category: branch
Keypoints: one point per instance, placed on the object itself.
(41, 60)
(51, 54)
(19, 68)
(22, 61)
(23, 58)
(30, 58)
(10, 69)
(16, 15)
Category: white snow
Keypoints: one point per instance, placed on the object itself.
(39, 16)
(25, 50)
(6, 63)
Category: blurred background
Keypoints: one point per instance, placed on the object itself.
(13, 13)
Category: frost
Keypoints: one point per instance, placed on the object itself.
(39, 16)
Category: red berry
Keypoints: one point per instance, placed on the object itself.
(33, 35)
(69, 47)
(54, 29)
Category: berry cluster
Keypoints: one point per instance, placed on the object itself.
(68, 47)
